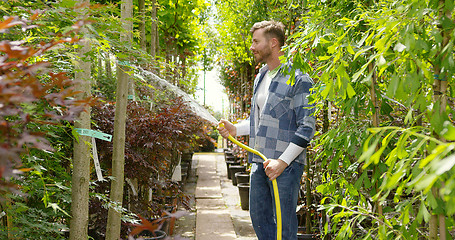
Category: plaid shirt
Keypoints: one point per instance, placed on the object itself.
(287, 116)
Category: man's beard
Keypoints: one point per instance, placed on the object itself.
(263, 56)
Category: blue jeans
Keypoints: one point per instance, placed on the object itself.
(262, 203)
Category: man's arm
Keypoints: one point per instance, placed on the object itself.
(243, 127)
(304, 132)
(304, 112)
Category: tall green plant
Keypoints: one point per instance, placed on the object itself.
(347, 46)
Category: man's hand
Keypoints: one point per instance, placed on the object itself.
(228, 128)
(274, 167)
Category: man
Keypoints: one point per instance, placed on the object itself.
(281, 124)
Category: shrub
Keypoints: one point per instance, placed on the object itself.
(153, 141)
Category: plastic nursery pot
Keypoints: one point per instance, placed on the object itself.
(301, 230)
(229, 157)
(184, 177)
(185, 171)
(229, 163)
(242, 177)
(187, 156)
(185, 166)
(148, 235)
(235, 169)
(305, 236)
(244, 192)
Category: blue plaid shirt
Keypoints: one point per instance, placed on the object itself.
(287, 116)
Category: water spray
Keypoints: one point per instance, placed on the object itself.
(203, 113)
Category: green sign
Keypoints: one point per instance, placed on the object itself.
(95, 134)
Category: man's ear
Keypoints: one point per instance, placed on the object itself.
(274, 42)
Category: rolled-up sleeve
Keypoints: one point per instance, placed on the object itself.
(243, 127)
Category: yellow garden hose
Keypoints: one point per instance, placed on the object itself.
(274, 184)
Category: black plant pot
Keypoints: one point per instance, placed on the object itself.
(228, 164)
(244, 192)
(305, 236)
(230, 158)
(242, 177)
(185, 167)
(187, 157)
(235, 169)
(147, 235)
(184, 177)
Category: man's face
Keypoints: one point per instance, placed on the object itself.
(261, 46)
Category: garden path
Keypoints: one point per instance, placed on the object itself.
(218, 213)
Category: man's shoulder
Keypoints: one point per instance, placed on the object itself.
(262, 71)
(304, 77)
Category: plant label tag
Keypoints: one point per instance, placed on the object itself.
(96, 161)
(95, 134)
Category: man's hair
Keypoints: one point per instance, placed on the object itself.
(272, 29)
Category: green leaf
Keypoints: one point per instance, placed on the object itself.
(401, 148)
(448, 131)
(432, 202)
(332, 48)
(350, 91)
(394, 179)
(350, 50)
(365, 36)
(437, 119)
(405, 215)
(444, 165)
(367, 152)
(326, 90)
(67, 3)
(434, 155)
(423, 213)
(359, 181)
(321, 188)
(377, 155)
(362, 51)
(408, 119)
(386, 109)
(449, 5)
(323, 58)
(380, 44)
(426, 183)
(391, 157)
(393, 86)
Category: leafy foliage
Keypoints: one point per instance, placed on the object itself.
(34, 100)
(154, 140)
(37, 105)
(376, 185)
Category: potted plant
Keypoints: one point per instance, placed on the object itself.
(244, 192)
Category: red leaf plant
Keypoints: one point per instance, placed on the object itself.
(27, 83)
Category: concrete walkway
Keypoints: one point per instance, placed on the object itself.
(218, 213)
(213, 220)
